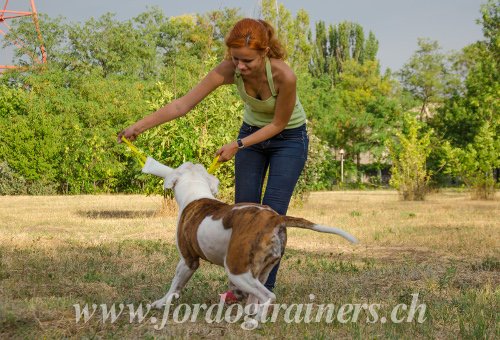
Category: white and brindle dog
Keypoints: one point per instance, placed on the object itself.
(246, 239)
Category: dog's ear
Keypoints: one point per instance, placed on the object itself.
(213, 183)
(171, 180)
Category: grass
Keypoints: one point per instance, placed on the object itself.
(59, 251)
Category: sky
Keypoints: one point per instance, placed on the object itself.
(397, 24)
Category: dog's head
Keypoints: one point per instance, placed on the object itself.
(191, 173)
(187, 172)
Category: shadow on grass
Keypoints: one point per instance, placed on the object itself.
(116, 214)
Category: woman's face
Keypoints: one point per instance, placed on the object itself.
(247, 60)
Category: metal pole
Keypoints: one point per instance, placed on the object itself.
(342, 165)
(342, 168)
(38, 33)
(9, 14)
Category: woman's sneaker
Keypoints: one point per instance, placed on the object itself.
(230, 298)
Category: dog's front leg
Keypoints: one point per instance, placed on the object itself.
(183, 273)
(258, 312)
(240, 295)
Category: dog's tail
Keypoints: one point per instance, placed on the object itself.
(289, 221)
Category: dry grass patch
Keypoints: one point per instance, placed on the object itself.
(64, 250)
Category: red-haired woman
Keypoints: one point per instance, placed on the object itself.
(273, 135)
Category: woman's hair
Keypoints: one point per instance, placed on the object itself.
(257, 35)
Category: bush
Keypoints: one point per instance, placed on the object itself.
(12, 101)
(11, 183)
(195, 137)
(320, 170)
(475, 164)
(408, 153)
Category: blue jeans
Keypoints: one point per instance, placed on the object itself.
(284, 155)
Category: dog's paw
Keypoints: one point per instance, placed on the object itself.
(159, 304)
(250, 324)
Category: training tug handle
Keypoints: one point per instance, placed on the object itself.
(141, 158)
(214, 166)
(138, 155)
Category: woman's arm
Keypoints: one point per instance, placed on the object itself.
(220, 75)
(285, 103)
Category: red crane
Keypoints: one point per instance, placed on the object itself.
(7, 14)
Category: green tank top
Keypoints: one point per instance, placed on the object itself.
(261, 112)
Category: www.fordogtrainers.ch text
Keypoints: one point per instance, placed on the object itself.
(289, 313)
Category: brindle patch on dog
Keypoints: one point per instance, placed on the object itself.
(258, 236)
(251, 224)
(191, 217)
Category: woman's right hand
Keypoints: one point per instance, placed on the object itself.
(130, 133)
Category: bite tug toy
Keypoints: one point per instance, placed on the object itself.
(142, 159)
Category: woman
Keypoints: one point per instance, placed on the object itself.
(273, 135)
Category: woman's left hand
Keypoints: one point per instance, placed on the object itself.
(227, 152)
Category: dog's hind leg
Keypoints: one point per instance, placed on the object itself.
(264, 274)
(250, 285)
(183, 273)
(259, 299)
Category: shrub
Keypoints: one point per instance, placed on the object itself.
(320, 169)
(408, 153)
(195, 137)
(475, 164)
(11, 183)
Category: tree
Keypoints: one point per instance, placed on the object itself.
(475, 100)
(354, 106)
(219, 23)
(425, 75)
(319, 62)
(293, 33)
(111, 46)
(301, 50)
(340, 43)
(490, 19)
(408, 152)
(54, 37)
(360, 113)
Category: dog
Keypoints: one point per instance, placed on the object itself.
(246, 239)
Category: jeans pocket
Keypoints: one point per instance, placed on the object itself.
(296, 134)
(245, 130)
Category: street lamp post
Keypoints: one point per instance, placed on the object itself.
(341, 165)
